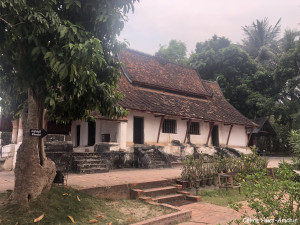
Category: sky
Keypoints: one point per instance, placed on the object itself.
(156, 22)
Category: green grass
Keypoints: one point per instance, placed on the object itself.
(222, 198)
(59, 203)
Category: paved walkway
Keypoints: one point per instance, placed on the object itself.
(113, 177)
(206, 213)
(203, 213)
(119, 176)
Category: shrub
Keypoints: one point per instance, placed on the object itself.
(294, 141)
(273, 200)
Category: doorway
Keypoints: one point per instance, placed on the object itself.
(91, 133)
(215, 136)
(138, 130)
(78, 135)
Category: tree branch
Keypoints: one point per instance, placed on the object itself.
(9, 24)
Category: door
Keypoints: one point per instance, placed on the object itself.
(215, 136)
(138, 130)
(78, 135)
(91, 133)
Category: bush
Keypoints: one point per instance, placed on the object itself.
(294, 141)
(273, 200)
(203, 167)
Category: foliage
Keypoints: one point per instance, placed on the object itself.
(62, 50)
(294, 141)
(204, 167)
(252, 163)
(222, 197)
(62, 202)
(198, 168)
(261, 41)
(262, 83)
(280, 141)
(287, 81)
(243, 84)
(289, 39)
(174, 52)
(273, 199)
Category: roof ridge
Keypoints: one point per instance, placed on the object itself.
(157, 58)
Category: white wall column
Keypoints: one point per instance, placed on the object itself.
(14, 134)
(20, 131)
(122, 134)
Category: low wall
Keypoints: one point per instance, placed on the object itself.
(5, 138)
(114, 192)
(123, 191)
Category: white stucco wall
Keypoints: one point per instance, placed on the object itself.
(116, 129)
(107, 127)
(202, 138)
(83, 132)
(151, 127)
(238, 135)
(122, 132)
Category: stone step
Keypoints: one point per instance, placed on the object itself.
(79, 161)
(93, 170)
(157, 164)
(169, 198)
(154, 192)
(176, 163)
(90, 165)
(153, 184)
(75, 158)
(155, 157)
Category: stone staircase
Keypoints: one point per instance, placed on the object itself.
(165, 191)
(89, 163)
(157, 160)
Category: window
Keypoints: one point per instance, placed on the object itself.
(194, 128)
(169, 126)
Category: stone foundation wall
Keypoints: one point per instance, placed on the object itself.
(57, 137)
(59, 151)
(5, 138)
(58, 146)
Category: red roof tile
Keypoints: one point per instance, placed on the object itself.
(146, 70)
(213, 107)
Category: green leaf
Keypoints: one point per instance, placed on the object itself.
(36, 51)
(48, 55)
(78, 3)
(63, 31)
(63, 73)
(52, 102)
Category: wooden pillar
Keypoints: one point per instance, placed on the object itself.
(252, 128)
(229, 134)
(211, 126)
(160, 126)
(187, 129)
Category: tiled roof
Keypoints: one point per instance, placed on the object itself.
(214, 107)
(146, 70)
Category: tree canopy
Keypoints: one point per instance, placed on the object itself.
(174, 52)
(63, 50)
(287, 80)
(261, 40)
(242, 83)
(57, 55)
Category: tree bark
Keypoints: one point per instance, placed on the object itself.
(34, 172)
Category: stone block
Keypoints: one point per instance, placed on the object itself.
(106, 146)
(58, 146)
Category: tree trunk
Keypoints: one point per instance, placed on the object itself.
(34, 172)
